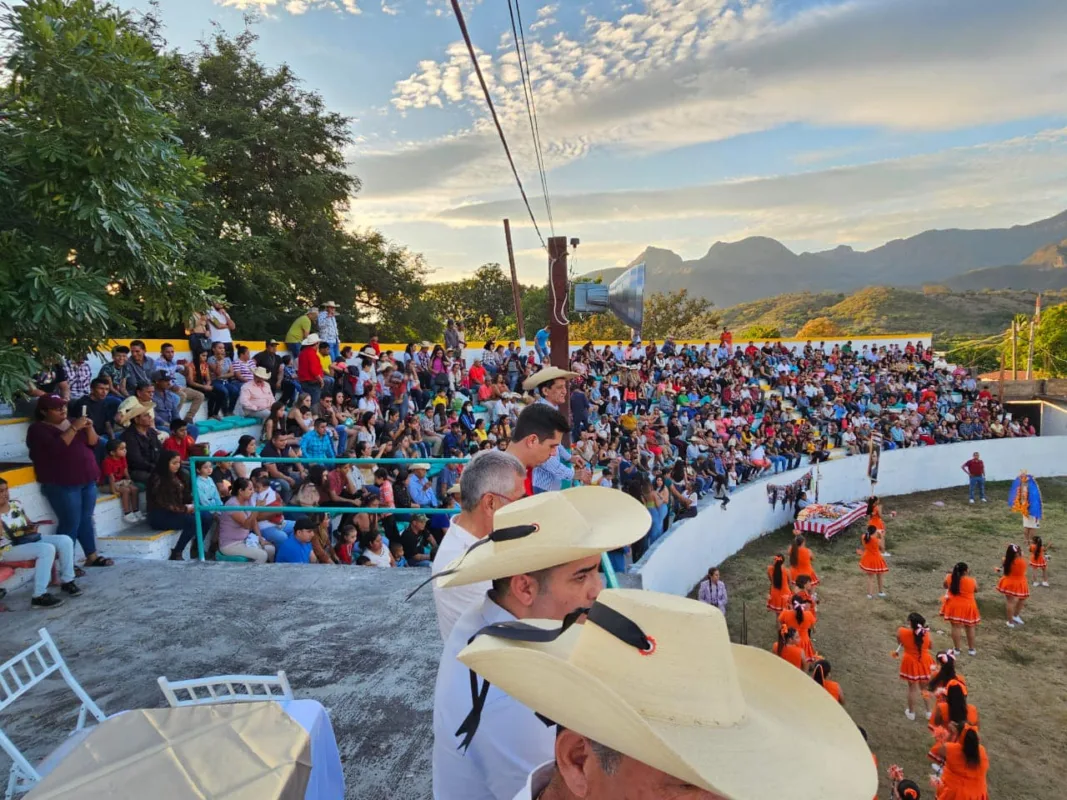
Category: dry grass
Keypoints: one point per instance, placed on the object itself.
(1018, 680)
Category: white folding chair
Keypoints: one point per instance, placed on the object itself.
(228, 689)
(18, 676)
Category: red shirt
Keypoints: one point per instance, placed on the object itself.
(179, 446)
(308, 364)
(114, 467)
(975, 468)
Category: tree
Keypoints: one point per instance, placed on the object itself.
(95, 187)
(1050, 338)
(273, 224)
(482, 302)
(678, 314)
(755, 332)
(820, 328)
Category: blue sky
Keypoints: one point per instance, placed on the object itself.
(680, 122)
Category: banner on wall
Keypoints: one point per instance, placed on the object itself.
(875, 457)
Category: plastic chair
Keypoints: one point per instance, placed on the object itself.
(225, 689)
(17, 676)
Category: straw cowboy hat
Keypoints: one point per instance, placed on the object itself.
(419, 465)
(655, 677)
(313, 338)
(548, 530)
(546, 375)
(262, 373)
(130, 408)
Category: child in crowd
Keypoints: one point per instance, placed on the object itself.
(115, 475)
(346, 543)
(397, 551)
(179, 441)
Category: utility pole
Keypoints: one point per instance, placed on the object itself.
(1030, 354)
(515, 295)
(1014, 348)
(1000, 383)
(559, 334)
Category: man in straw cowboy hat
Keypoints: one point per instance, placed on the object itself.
(542, 559)
(652, 700)
(550, 386)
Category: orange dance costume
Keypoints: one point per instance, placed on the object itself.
(781, 598)
(960, 780)
(789, 618)
(1015, 583)
(916, 662)
(791, 653)
(1040, 562)
(872, 561)
(804, 567)
(962, 608)
(942, 732)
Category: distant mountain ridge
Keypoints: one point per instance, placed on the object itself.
(757, 267)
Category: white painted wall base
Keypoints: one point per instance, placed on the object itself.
(681, 558)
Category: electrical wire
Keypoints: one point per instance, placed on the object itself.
(492, 110)
(518, 34)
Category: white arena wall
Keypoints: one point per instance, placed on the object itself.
(679, 560)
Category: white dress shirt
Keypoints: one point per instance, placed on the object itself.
(510, 742)
(537, 782)
(451, 603)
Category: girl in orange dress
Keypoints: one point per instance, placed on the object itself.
(788, 648)
(821, 673)
(781, 595)
(800, 561)
(966, 766)
(1038, 562)
(951, 719)
(916, 663)
(959, 606)
(802, 619)
(812, 599)
(872, 562)
(1013, 584)
(874, 517)
(946, 674)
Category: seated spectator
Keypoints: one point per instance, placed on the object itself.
(180, 441)
(115, 478)
(99, 410)
(396, 550)
(239, 530)
(143, 447)
(21, 540)
(272, 525)
(317, 443)
(419, 545)
(321, 544)
(176, 370)
(243, 365)
(285, 477)
(268, 359)
(297, 549)
(223, 376)
(375, 551)
(341, 486)
(277, 420)
(198, 376)
(346, 543)
(223, 474)
(207, 491)
(170, 504)
(256, 396)
(79, 377)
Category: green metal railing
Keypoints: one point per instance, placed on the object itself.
(609, 572)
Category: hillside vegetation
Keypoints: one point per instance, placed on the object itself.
(882, 309)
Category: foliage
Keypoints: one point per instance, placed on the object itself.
(678, 314)
(599, 327)
(819, 328)
(978, 353)
(1051, 338)
(273, 225)
(756, 332)
(483, 302)
(95, 187)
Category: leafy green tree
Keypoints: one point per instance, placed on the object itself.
(820, 328)
(1050, 338)
(755, 332)
(95, 187)
(678, 314)
(482, 302)
(273, 224)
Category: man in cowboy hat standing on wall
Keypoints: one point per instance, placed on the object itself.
(542, 559)
(550, 386)
(652, 700)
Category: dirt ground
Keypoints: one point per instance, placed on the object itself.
(1018, 679)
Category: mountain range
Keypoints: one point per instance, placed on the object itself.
(1032, 257)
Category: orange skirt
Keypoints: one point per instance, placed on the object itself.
(873, 563)
(960, 610)
(1041, 563)
(780, 599)
(1014, 587)
(810, 573)
(916, 670)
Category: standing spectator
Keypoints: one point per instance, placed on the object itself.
(328, 329)
(541, 344)
(300, 330)
(269, 359)
(451, 336)
(221, 327)
(713, 591)
(256, 397)
(975, 470)
(170, 504)
(62, 452)
(309, 371)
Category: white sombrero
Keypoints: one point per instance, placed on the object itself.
(546, 375)
(419, 465)
(130, 408)
(684, 700)
(560, 527)
(310, 340)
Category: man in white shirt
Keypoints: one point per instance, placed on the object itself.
(704, 734)
(489, 482)
(542, 558)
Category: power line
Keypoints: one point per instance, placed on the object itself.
(492, 111)
(531, 105)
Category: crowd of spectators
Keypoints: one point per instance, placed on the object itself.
(667, 423)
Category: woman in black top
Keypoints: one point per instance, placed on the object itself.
(170, 504)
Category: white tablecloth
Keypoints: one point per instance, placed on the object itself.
(327, 779)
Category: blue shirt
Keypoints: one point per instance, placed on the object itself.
(293, 551)
(541, 338)
(315, 446)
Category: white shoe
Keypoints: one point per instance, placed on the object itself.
(954, 651)
(1011, 624)
(142, 516)
(971, 501)
(983, 499)
(909, 714)
(1045, 584)
(131, 518)
(1037, 583)
(887, 555)
(972, 652)
(929, 714)
(882, 594)
(1017, 620)
(870, 597)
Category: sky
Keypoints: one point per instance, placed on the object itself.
(677, 123)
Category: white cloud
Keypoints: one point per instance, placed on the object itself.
(294, 7)
(545, 17)
(388, 9)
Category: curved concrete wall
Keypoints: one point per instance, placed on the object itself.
(680, 559)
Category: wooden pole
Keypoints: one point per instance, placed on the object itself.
(1030, 354)
(1014, 347)
(559, 335)
(1000, 383)
(516, 298)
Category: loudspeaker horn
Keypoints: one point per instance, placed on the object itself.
(625, 297)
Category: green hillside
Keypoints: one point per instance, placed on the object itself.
(882, 309)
